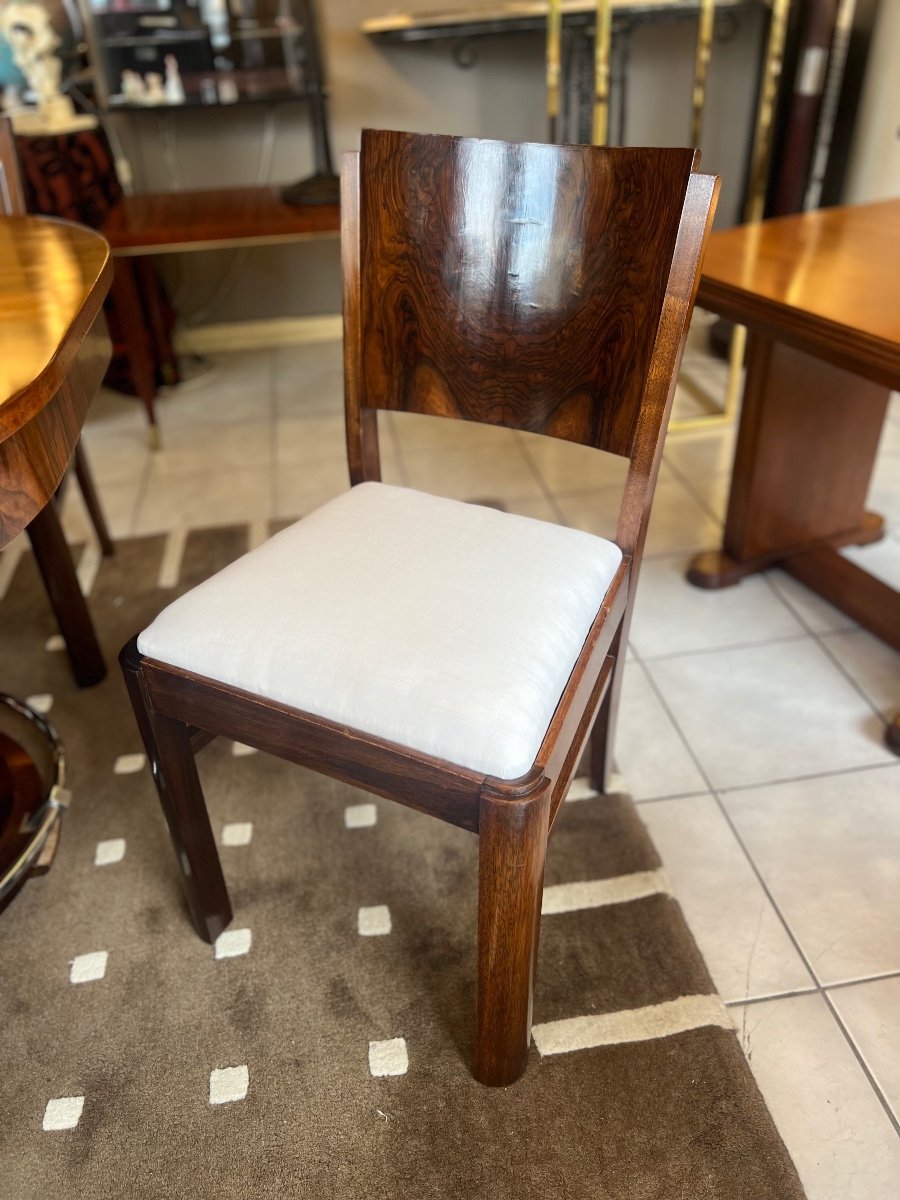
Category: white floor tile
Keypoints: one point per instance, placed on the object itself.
(671, 616)
(769, 712)
(740, 935)
(873, 665)
(482, 474)
(870, 1014)
(699, 455)
(119, 502)
(649, 753)
(817, 614)
(839, 1136)
(233, 445)
(301, 488)
(678, 522)
(568, 467)
(881, 559)
(203, 499)
(829, 851)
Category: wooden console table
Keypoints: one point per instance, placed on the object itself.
(820, 294)
(54, 350)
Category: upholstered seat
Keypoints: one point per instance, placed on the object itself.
(446, 627)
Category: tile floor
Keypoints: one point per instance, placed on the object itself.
(751, 725)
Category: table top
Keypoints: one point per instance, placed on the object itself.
(826, 282)
(163, 221)
(53, 277)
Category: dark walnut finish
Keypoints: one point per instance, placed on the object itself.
(820, 293)
(536, 287)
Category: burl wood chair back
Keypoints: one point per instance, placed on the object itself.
(542, 288)
(536, 287)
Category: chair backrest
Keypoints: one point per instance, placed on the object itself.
(539, 287)
(12, 196)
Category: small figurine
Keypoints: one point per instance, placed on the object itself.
(155, 91)
(174, 85)
(133, 87)
(27, 28)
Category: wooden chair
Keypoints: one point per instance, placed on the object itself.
(444, 655)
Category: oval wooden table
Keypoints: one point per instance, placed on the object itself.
(820, 295)
(54, 350)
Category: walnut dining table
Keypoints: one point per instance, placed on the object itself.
(820, 295)
(54, 350)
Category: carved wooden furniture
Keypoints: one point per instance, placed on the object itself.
(53, 353)
(443, 655)
(820, 293)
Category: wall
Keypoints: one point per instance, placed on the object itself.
(419, 87)
(874, 168)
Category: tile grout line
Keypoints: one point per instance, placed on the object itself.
(862, 1062)
(686, 483)
(768, 893)
(845, 983)
(819, 638)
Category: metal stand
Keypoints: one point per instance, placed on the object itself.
(322, 187)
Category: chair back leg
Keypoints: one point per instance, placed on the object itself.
(168, 746)
(512, 850)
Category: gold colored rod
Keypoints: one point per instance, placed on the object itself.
(602, 39)
(701, 66)
(755, 202)
(554, 41)
(762, 138)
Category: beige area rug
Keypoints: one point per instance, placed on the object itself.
(323, 1049)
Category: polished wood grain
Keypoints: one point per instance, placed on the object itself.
(171, 757)
(53, 353)
(53, 277)
(825, 282)
(821, 294)
(514, 284)
(511, 853)
(159, 222)
(439, 233)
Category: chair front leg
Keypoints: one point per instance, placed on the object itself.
(512, 849)
(168, 746)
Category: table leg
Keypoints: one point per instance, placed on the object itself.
(55, 564)
(138, 345)
(92, 501)
(806, 448)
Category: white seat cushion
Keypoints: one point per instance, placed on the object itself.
(447, 627)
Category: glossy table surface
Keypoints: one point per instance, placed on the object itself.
(826, 282)
(51, 274)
